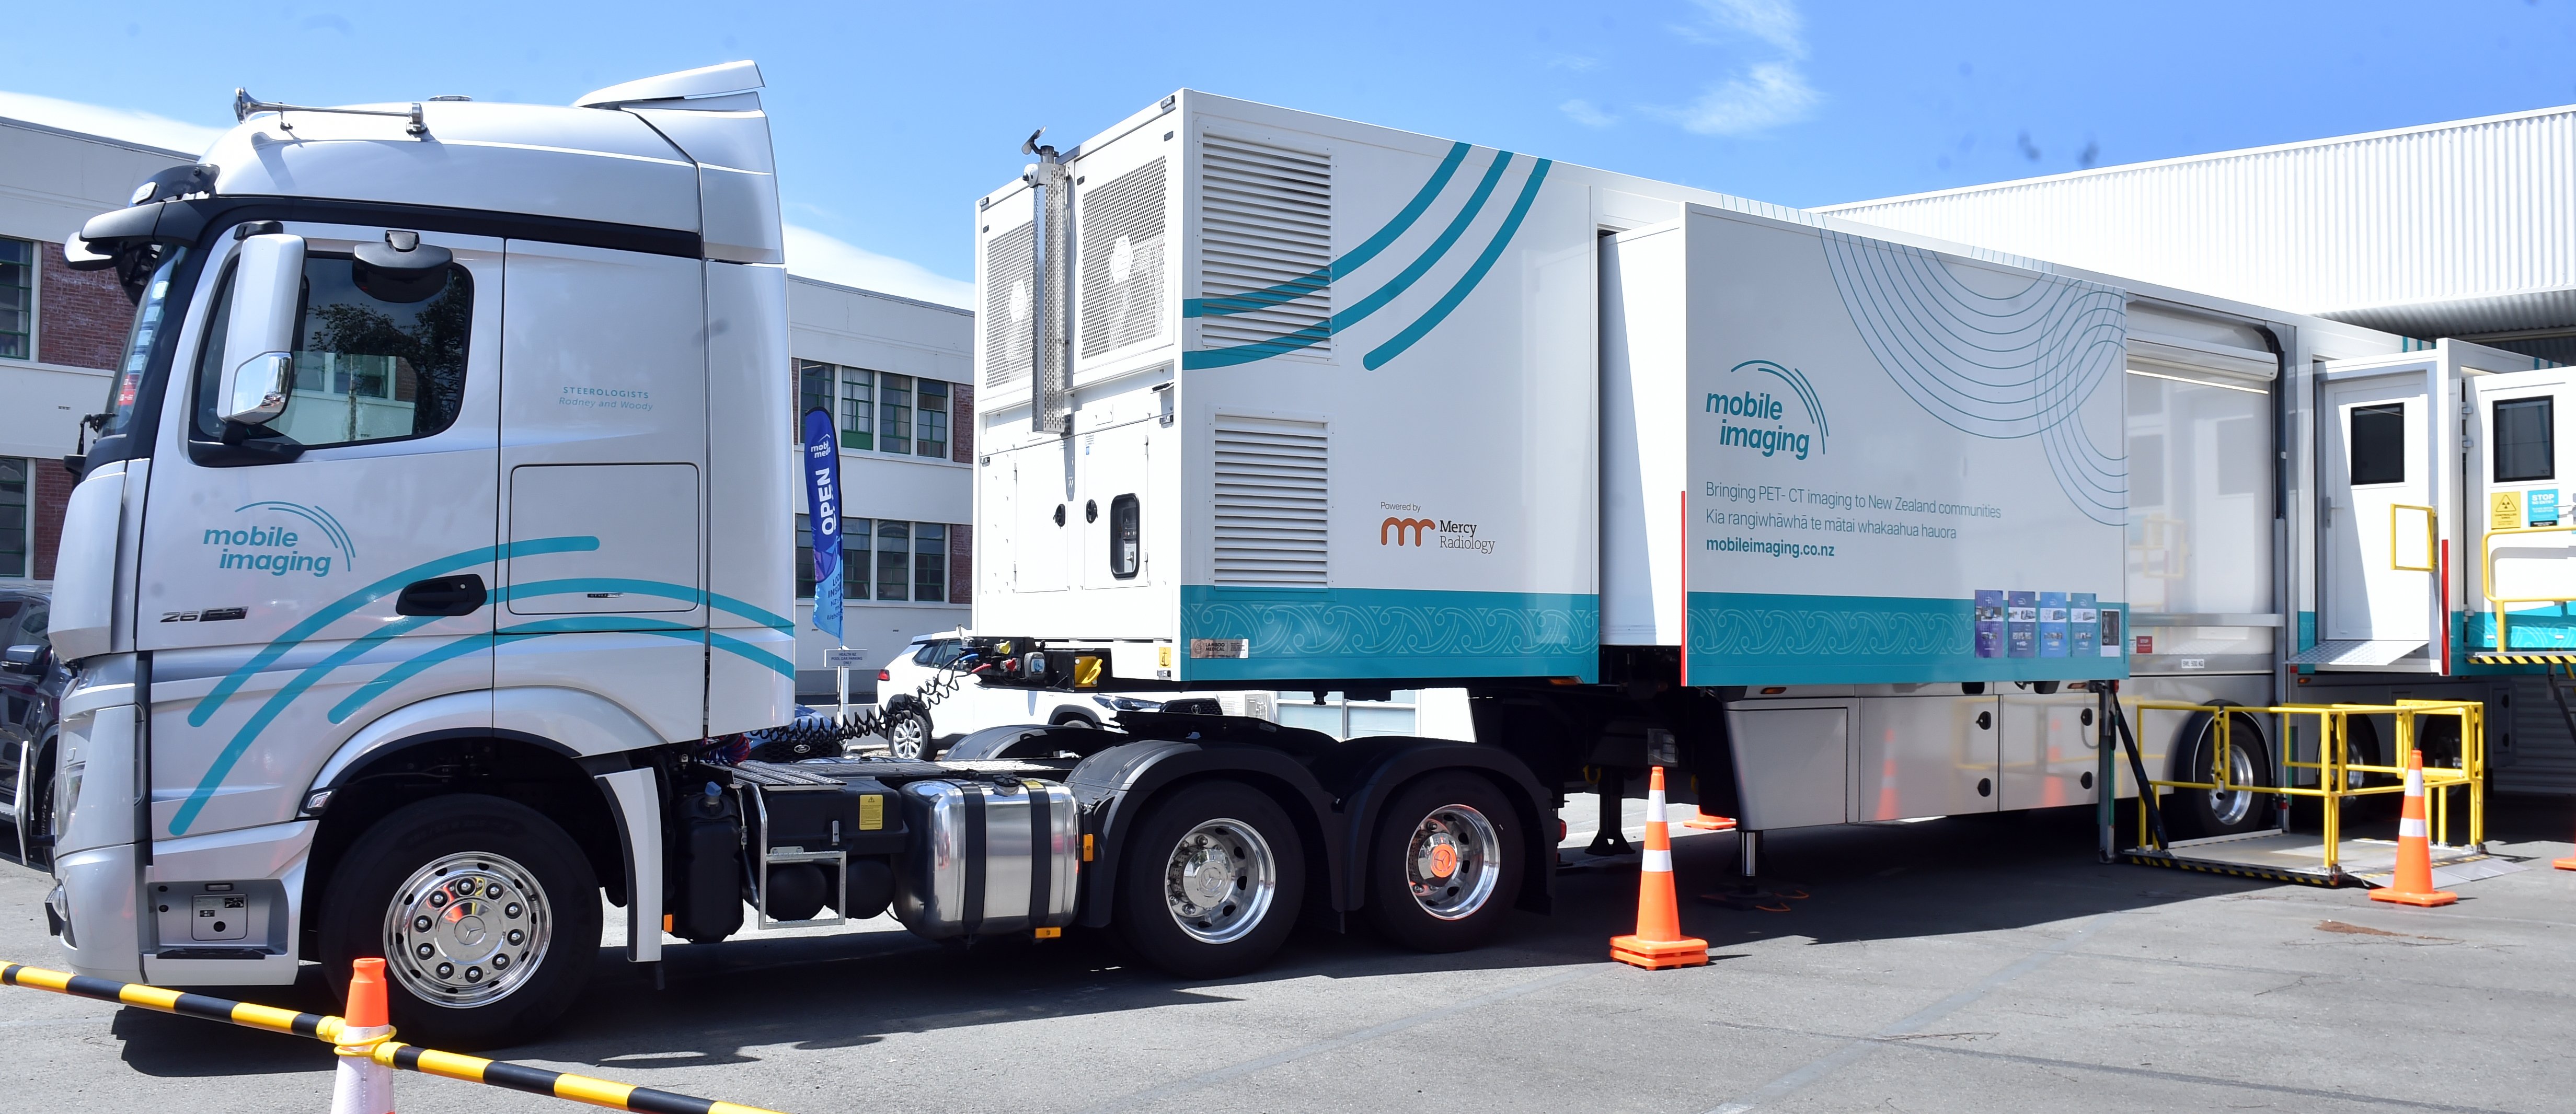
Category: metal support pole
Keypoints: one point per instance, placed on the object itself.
(1612, 837)
(1748, 853)
(2106, 782)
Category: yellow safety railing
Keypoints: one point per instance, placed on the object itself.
(392, 1054)
(2338, 776)
(2486, 580)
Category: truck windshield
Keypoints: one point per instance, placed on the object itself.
(149, 314)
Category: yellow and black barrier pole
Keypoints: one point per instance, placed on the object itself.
(392, 1054)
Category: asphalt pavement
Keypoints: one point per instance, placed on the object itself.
(1983, 964)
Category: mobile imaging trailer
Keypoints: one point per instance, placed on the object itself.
(1279, 401)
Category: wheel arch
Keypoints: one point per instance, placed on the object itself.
(1400, 762)
(1122, 783)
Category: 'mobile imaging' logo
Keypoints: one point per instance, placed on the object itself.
(1755, 418)
(262, 544)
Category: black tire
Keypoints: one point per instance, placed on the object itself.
(1409, 900)
(1242, 927)
(2198, 812)
(909, 735)
(503, 841)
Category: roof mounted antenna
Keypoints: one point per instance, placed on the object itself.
(1030, 147)
(243, 106)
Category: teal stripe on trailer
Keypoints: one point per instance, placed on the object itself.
(1745, 638)
(1297, 634)
(1323, 276)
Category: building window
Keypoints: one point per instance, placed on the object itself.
(17, 299)
(931, 436)
(813, 389)
(906, 561)
(929, 562)
(894, 412)
(858, 408)
(16, 523)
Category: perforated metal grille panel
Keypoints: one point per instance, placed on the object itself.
(1265, 219)
(1273, 497)
(1010, 262)
(1121, 227)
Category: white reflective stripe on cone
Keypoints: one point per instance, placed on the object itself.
(2411, 829)
(1659, 861)
(2414, 783)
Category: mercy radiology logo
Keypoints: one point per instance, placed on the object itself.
(307, 541)
(1782, 415)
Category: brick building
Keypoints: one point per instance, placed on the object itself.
(896, 373)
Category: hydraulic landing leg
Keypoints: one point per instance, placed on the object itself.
(1751, 891)
(1612, 839)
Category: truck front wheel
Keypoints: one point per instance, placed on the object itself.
(1211, 881)
(1442, 874)
(486, 913)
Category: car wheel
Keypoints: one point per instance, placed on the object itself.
(1211, 881)
(1444, 869)
(486, 913)
(907, 734)
(2207, 812)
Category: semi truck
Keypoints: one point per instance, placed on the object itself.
(429, 571)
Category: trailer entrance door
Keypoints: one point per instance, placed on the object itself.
(2383, 479)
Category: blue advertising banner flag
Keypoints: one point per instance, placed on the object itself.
(822, 467)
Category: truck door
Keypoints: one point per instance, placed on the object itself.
(2383, 477)
(603, 452)
(2516, 514)
(273, 586)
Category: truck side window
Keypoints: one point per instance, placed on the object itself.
(1126, 539)
(374, 360)
(2378, 444)
(2524, 446)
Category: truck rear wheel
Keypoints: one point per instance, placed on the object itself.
(1211, 881)
(1442, 870)
(486, 913)
(2206, 812)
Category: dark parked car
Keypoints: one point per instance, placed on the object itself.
(31, 687)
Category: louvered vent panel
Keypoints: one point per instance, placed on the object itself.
(1272, 502)
(1122, 260)
(1010, 260)
(1265, 218)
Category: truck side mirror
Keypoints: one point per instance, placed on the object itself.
(259, 336)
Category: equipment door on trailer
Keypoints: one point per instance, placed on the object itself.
(2515, 518)
(2383, 475)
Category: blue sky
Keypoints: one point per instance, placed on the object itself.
(891, 119)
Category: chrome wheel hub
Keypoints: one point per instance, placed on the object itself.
(467, 929)
(1452, 862)
(2231, 807)
(1220, 881)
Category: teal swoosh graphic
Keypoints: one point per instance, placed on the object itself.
(659, 588)
(349, 604)
(1376, 299)
(477, 643)
(1466, 284)
(1317, 279)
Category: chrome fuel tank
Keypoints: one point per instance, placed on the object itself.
(986, 853)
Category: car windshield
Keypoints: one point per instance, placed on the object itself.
(150, 314)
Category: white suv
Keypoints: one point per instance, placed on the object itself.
(919, 728)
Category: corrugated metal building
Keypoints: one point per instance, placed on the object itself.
(2462, 229)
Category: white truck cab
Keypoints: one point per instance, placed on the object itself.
(447, 446)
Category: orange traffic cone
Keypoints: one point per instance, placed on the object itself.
(1692, 817)
(2568, 863)
(363, 1086)
(1658, 942)
(2413, 884)
(1887, 789)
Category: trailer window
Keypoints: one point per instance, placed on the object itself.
(2377, 443)
(2524, 447)
(1126, 541)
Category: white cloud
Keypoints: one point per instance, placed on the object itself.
(115, 123)
(819, 256)
(1772, 21)
(1768, 95)
(1587, 114)
(1764, 95)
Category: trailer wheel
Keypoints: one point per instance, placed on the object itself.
(486, 913)
(1211, 881)
(1442, 872)
(2205, 812)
